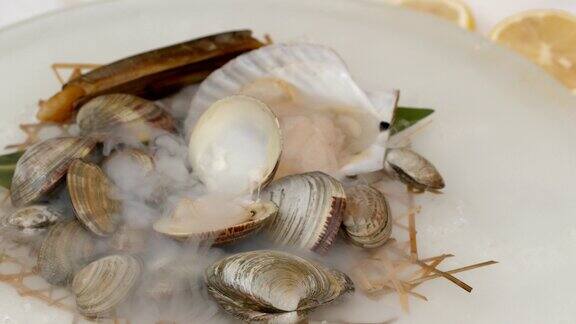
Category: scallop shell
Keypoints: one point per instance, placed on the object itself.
(43, 165)
(310, 210)
(367, 221)
(32, 219)
(236, 145)
(413, 169)
(259, 213)
(66, 248)
(273, 286)
(109, 111)
(104, 284)
(320, 78)
(90, 195)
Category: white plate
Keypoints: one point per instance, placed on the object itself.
(503, 136)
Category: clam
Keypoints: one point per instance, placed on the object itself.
(367, 221)
(319, 105)
(413, 169)
(43, 165)
(136, 157)
(90, 194)
(66, 248)
(107, 112)
(235, 146)
(310, 210)
(128, 240)
(231, 222)
(273, 286)
(32, 219)
(104, 284)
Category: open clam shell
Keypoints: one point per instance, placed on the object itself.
(66, 248)
(236, 145)
(107, 112)
(413, 169)
(367, 221)
(273, 286)
(43, 165)
(104, 284)
(90, 195)
(179, 227)
(310, 209)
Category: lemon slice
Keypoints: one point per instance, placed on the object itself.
(547, 37)
(452, 10)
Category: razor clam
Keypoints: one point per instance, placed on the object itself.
(235, 146)
(367, 221)
(310, 209)
(66, 249)
(181, 225)
(90, 194)
(43, 165)
(312, 78)
(273, 286)
(413, 169)
(32, 219)
(107, 112)
(104, 284)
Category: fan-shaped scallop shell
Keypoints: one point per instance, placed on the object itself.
(273, 286)
(413, 169)
(310, 209)
(367, 221)
(90, 194)
(259, 213)
(104, 284)
(66, 248)
(109, 111)
(43, 165)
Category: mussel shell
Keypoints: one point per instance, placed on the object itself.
(413, 169)
(310, 210)
(109, 111)
(104, 284)
(259, 214)
(43, 165)
(273, 286)
(367, 221)
(31, 219)
(66, 248)
(90, 194)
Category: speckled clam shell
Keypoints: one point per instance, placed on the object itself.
(259, 212)
(104, 284)
(90, 195)
(413, 169)
(66, 248)
(107, 112)
(271, 286)
(367, 221)
(32, 219)
(43, 165)
(310, 209)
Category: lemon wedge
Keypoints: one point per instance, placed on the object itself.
(451, 10)
(547, 37)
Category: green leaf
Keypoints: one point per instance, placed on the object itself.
(405, 117)
(7, 167)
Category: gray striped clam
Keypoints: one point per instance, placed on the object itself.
(43, 165)
(90, 192)
(310, 210)
(413, 169)
(272, 286)
(104, 284)
(66, 248)
(367, 221)
(32, 219)
(107, 112)
(189, 221)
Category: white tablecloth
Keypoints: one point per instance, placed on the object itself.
(486, 12)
